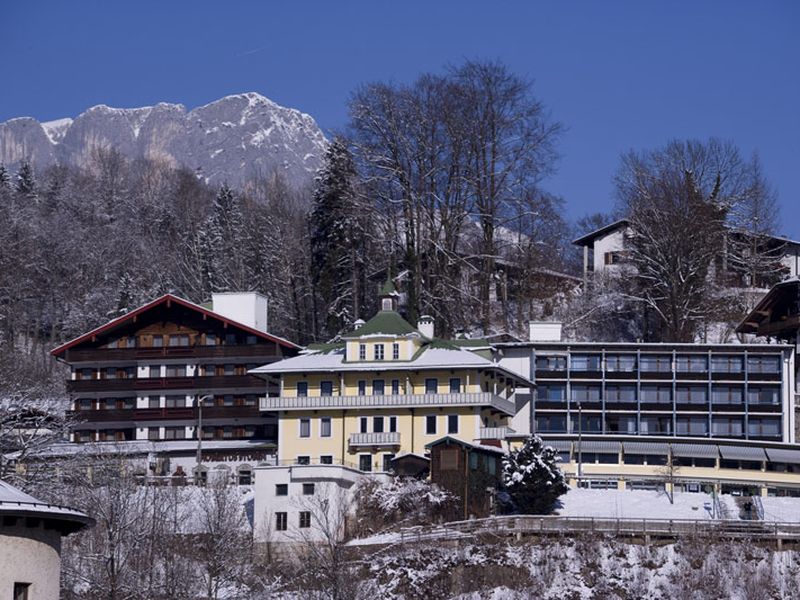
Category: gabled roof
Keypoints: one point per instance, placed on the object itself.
(386, 322)
(780, 294)
(168, 299)
(429, 357)
(470, 446)
(590, 237)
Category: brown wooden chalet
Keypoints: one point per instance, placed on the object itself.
(777, 315)
(471, 472)
(139, 377)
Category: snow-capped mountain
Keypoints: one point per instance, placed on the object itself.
(232, 139)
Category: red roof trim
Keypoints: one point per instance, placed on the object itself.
(168, 298)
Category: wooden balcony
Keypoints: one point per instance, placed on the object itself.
(263, 352)
(386, 438)
(165, 414)
(486, 399)
(166, 383)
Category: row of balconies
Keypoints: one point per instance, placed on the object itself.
(612, 405)
(165, 383)
(653, 376)
(158, 414)
(100, 355)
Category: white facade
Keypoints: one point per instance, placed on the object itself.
(304, 503)
(247, 308)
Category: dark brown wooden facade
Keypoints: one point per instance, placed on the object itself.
(139, 377)
(470, 472)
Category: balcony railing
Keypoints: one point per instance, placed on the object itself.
(98, 355)
(386, 438)
(397, 401)
(149, 414)
(165, 383)
(494, 433)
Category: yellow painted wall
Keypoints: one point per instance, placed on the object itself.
(408, 347)
(411, 425)
(411, 382)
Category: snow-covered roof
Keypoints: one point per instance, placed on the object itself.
(15, 502)
(430, 357)
(168, 299)
(482, 447)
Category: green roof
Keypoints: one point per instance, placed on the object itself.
(387, 322)
(388, 288)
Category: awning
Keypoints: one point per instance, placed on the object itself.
(782, 455)
(695, 450)
(742, 453)
(598, 446)
(558, 445)
(655, 448)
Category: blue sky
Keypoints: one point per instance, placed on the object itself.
(619, 75)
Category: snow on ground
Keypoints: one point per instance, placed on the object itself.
(786, 510)
(634, 504)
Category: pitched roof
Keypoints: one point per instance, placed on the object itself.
(452, 440)
(15, 502)
(386, 322)
(589, 237)
(168, 299)
(428, 358)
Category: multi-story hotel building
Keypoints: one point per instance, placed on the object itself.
(386, 390)
(149, 379)
(725, 413)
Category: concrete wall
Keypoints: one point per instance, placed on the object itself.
(30, 555)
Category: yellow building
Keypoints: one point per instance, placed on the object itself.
(387, 388)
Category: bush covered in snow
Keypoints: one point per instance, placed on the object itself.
(400, 501)
(531, 479)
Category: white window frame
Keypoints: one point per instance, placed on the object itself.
(330, 427)
(378, 351)
(448, 424)
(300, 427)
(362, 352)
(395, 351)
(435, 424)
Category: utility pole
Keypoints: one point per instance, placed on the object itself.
(580, 439)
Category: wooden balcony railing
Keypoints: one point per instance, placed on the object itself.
(151, 414)
(165, 383)
(265, 352)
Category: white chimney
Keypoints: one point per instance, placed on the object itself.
(545, 331)
(247, 308)
(425, 326)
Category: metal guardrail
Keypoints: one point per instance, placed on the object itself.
(548, 525)
(389, 401)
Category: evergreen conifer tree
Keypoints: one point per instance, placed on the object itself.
(5, 178)
(532, 479)
(26, 184)
(336, 241)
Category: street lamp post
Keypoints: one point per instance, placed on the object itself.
(199, 431)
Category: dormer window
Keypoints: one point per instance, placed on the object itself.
(378, 351)
(362, 352)
(386, 304)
